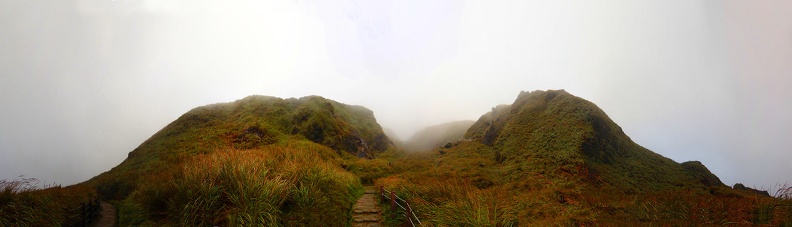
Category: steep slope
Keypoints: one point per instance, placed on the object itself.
(249, 123)
(558, 134)
(437, 135)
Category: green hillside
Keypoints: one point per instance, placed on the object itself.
(551, 158)
(557, 134)
(297, 146)
(437, 135)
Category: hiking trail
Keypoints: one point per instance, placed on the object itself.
(366, 211)
(107, 215)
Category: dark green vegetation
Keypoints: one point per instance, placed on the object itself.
(549, 158)
(437, 136)
(699, 172)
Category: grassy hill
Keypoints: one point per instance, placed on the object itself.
(437, 136)
(560, 135)
(231, 163)
(552, 158)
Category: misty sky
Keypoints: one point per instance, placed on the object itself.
(84, 82)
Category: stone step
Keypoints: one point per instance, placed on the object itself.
(366, 224)
(366, 218)
(366, 210)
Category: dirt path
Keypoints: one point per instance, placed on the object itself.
(107, 215)
(366, 212)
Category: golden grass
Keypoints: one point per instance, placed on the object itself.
(269, 186)
(444, 191)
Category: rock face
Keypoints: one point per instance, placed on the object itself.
(248, 123)
(558, 134)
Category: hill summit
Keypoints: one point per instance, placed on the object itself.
(556, 133)
(249, 123)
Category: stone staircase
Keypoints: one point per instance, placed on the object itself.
(366, 212)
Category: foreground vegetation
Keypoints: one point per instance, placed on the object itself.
(464, 187)
(274, 186)
(23, 203)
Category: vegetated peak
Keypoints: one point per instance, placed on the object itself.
(252, 122)
(558, 134)
(700, 172)
(261, 120)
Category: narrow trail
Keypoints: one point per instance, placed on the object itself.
(366, 212)
(107, 215)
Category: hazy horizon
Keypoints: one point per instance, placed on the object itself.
(84, 82)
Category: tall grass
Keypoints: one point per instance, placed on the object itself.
(24, 203)
(474, 207)
(784, 193)
(271, 186)
(445, 190)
